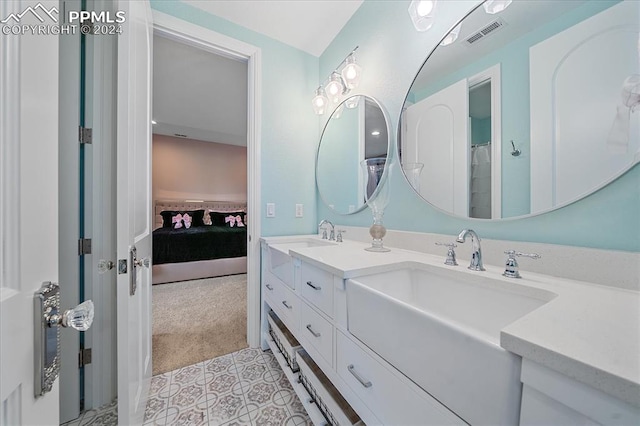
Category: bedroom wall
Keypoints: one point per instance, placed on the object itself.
(391, 52)
(191, 169)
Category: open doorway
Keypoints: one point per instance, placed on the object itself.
(200, 204)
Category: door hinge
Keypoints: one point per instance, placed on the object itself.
(84, 246)
(84, 357)
(85, 135)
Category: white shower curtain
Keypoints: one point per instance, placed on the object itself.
(480, 185)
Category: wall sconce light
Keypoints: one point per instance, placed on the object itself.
(423, 13)
(495, 6)
(352, 72)
(452, 36)
(320, 101)
(335, 88)
(339, 83)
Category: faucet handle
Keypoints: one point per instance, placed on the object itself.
(339, 237)
(511, 268)
(324, 233)
(451, 253)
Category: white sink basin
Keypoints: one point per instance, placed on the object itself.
(441, 328)
(280, 263)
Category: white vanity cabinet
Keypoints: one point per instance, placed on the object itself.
(314, 310)
(550, 398)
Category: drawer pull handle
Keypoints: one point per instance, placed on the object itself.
(315, 287)
(315, 334)
(352, 370)
(269, 287)
(288, 306)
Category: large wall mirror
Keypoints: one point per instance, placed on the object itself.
(526, 110)
(357, 130)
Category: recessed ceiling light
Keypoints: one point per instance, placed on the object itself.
(375, 133)
(154, 122)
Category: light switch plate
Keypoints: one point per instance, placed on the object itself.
(299, 210)
(271, 210)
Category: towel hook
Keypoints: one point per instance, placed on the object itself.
(515, 152)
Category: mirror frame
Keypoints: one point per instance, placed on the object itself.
(579, 197)
(390, 154)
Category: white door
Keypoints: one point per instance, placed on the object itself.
(134, 213)
(574, 100)
(436, 134)
(28, 212)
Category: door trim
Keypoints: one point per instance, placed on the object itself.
(202, 38)
(493, 74)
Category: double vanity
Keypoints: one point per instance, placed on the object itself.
(400, 338)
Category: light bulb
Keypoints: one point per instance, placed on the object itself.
(351, 73)
(335, 87)
(320, 102)
(495, 6)
(424, 7)
(422, 13)
(452, 36)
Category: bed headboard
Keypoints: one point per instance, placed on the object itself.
(179, 205)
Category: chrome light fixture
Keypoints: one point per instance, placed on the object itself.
(345, 76)
(335, 88)
(495, 6)
(320, 101)
(452, 36)
(422, 13)
(352, 72)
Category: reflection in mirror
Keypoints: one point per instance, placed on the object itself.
(527, 110)
(357, 130)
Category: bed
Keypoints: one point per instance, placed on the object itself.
(209, 250)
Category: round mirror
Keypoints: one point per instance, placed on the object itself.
(526, 110)
(357, 130)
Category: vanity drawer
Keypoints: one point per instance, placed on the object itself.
(393, 401)
(318, 332)
(326, 397)
(270, 288)
(316, 285)
(284, 340)
(285, 303)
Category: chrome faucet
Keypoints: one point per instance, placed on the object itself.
(332, 235)
(476, 251)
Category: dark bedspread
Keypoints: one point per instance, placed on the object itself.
(198, 243)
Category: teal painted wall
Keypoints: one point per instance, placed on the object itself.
(290, 129)
(391, 52)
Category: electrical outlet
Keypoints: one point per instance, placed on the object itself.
(299, 210)
(271, 210)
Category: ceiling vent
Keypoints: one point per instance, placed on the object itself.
(485, 31)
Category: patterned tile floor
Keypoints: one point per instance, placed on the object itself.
(247, 387)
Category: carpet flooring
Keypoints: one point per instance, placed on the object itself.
(198, 320)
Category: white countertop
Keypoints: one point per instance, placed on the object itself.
(589, 332)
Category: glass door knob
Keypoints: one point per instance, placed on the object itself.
(79, 318)
(105, 265)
